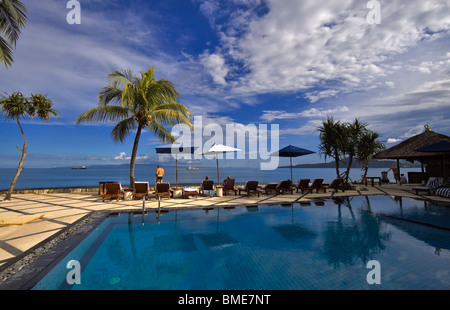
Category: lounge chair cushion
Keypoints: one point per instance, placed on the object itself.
(444, 192)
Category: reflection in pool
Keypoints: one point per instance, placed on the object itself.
(323, 244)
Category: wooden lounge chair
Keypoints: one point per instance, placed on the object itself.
(229, 187)
(432, 184)
(317, 186)
(336, 185)
(162, 189)
(141, 190)
(270, 188)
(251, 187)
(284, 187)
(207, 186)
(302, 185)
(112, 190)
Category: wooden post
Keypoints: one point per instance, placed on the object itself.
(398, 171)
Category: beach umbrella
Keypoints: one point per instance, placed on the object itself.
(292, 151)
(175, 149)
(217, 149)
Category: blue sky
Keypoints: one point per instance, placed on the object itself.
(287, 62)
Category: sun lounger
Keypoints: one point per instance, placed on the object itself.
(162, 189)
(284, 187)
(336, 185)
(432, 184)
(112, 190)
(270, 188)
(190, 191)
(207, 188)
(317, 186)
(443, 192)
(302, 185)
(229, 187)
(251, 187)
(140, 190)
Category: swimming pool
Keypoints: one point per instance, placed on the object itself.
(324, 244)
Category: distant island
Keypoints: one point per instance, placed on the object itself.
(356, 164)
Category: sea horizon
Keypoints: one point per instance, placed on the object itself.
(66, 177)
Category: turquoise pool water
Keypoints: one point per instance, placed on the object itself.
(325, 244)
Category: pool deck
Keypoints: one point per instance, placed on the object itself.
(62, 210)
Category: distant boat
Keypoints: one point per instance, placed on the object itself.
(192, 168)
(79, 168)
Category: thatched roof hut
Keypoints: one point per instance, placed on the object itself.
(406, 149)
(437, 163)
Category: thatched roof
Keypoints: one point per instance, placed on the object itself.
(406, 149)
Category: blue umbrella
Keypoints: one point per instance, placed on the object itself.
(441, 146)
(175, 149)
(292, 151)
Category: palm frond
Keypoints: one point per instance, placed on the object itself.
(162, 133)
(122, 129)
(5, 53)
(104, 113)
(109, 94)
(12, 19)
(171, 118)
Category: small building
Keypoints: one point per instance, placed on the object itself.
(433, 163)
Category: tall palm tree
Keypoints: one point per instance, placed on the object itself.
(12, 20)
(367, 147)
(332, 140)
(353, 132)
(137, 103)
(17, 106)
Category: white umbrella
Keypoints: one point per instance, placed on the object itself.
(217, 149)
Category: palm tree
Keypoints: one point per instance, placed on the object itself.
(367, 147)
(17, 106)
(353, 132)
(137, 103)
(332, 140)
(12, 20)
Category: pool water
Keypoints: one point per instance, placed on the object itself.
(325, 244)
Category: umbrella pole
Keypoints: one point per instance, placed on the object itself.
(292, 180)
(176, 170)
(217, 163)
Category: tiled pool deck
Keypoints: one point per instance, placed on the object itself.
(62, 210)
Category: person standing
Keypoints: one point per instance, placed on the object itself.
(395, 172)
(159, 174)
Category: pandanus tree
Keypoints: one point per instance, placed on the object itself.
(353, 140)
(16, 107)
(12, 20)
(367, 147)
(136, 103)
(332, 140)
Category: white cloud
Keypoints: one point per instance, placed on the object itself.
(270, 116)
(122, 156)
(393, 140)
(215, 65)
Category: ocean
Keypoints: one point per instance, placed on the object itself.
(46, 178)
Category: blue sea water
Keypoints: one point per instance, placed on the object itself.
(35, 178)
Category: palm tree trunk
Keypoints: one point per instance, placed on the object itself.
(20, 167)
(336, 159)
(349, 166)
(134, 154)
(366, 167)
